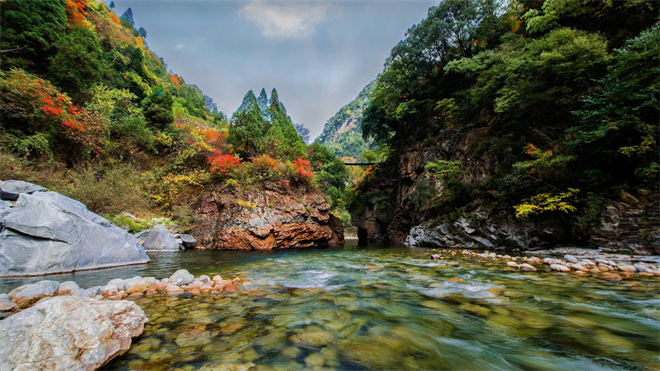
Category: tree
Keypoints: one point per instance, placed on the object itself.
(157, 107)
(78, 63)
(303, 132)
(128, 16)
(143, 32)
(33, 31)
(112, 5)
(248, 127)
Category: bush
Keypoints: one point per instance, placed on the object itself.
(112, 190)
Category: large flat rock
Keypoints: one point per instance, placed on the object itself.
(47, 232)
(68, 333)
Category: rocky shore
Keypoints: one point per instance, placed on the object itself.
(603, 266)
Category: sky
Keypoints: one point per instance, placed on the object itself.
(317, 54)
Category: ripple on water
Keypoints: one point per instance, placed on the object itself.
(314, 309)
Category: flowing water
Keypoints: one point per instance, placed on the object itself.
(323, 309)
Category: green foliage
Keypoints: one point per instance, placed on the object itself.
(158, 108)
(35, 146)
(77, 64)
(34, 30)
(619, 125)
(331, 174)
(443, 169)
(343, 132)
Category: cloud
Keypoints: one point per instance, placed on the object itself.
(284, 21)
(179, 47)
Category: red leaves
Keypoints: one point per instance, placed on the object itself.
(176, 80)
(303, 168)
(223, 163)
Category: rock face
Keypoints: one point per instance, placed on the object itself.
(49, 233)
(265, 219)
(404, 205)
(68, 333)
(11, 189)
(630, 224)
(158, 239)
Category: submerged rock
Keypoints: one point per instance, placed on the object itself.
(158, 239)
(68, 333)
(49, 233)
(189, 242)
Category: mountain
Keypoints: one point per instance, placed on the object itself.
(343, 132)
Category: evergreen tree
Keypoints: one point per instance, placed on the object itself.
(248, 127)
(112, 5)
(157, 107)
(30, 33)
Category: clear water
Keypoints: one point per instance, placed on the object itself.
(322, 309)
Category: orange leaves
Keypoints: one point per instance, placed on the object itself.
(223, 163)
(114, 18)
(176, 80)
(303, 168)
(264, 163)
(75, 10)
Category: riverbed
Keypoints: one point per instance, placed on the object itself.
(324, 309)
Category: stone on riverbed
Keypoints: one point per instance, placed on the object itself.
(189, 242)
(69, 333)
(49, 233)
(35, 292)
(559, 268)
(181, 277)
(68, 288)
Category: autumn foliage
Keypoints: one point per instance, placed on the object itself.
(223, 163)
(75, 10)
(303, 168)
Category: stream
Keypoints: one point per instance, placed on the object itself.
(323, 309)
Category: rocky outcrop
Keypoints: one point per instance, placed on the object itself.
(481, 230)
(11, 189)
(49, 233)
(68, 333)
(630, 223)
(265, 219)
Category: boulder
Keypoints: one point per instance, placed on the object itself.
(20, 186)
(189, 242)
(181, 277)
(35, 292)
(69, 333)
(49, 233)
(68, 288)
(570, 258)
(158, 239)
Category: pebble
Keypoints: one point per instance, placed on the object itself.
(559, 268)
(570, 258)
(512, 264)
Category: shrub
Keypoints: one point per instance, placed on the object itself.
(304, 169)
(223, 163)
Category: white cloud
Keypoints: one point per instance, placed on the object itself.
(285, 21)
(179, 47)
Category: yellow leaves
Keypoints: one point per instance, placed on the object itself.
(168, 186)
(246, 204)
(543, 202)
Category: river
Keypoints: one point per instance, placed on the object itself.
(323, 309)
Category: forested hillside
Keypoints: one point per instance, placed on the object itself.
(89, 111)
(343, 132)
(538, 113)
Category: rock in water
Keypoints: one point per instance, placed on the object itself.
(570, 258)
(69, 333)
(181, 277)
(189, 242)
(35, 292)
(158, 239)
(49, 233)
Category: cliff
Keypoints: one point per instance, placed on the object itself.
(404, 203)
(267, 218)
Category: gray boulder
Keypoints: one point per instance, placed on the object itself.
(35, 292)
(69, 333)
(158, 239)
(21, 187)
(181, 277)
(49, 233)
(189, 242)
